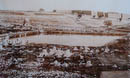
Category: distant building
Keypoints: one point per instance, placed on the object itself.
(54, 10)
(106, 15)
(100, 14)
(85, 12)
(64, 11)
(41, 10)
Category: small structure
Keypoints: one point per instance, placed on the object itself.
(54, 10)
(106, 15)
(64, 11)
(115, 74)
(108, 22)
(100, 14)
(41, 10)
(87, 12)
(76, 12)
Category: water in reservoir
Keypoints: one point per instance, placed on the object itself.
(72, 40)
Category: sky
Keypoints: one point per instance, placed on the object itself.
(122, 6)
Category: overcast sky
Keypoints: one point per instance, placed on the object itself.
(102, 5)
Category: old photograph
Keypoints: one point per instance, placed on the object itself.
(64, 39)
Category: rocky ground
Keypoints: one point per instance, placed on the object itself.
(62, 61)
(40, 60)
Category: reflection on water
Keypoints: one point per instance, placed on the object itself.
(72, 40)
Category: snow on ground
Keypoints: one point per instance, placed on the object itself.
(67, 20)
(98, 22)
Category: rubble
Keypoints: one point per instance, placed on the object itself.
(58, 55)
